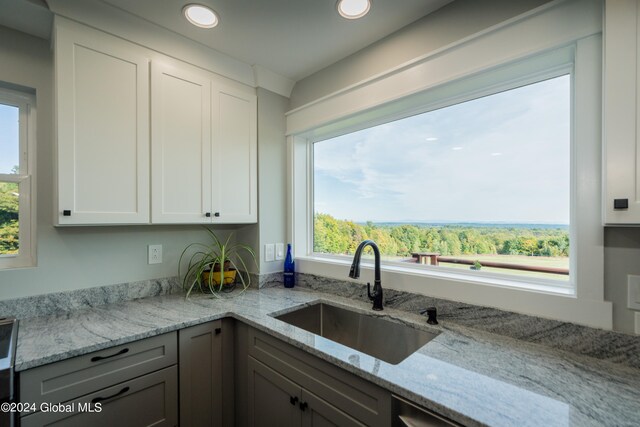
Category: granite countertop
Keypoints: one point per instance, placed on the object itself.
(471, 376)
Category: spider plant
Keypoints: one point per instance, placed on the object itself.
(204, 258)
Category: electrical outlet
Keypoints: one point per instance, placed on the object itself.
(269, 252)
(155, 254)
(279, 251)
(633, 284)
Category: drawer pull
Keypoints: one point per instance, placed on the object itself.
(303, 406)
(100, 399)
(98, 358)
(293, 400)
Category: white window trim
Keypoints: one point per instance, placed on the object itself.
(333, 115)
(25, 178)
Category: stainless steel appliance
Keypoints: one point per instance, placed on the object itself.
(8, 338)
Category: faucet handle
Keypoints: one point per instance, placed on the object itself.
(432, 312)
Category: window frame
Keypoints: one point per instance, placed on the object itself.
(583, 303)
(566, 287)
(25, 178)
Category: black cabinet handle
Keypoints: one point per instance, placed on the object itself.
(293, 400)
(208, 214)
(66, 213)
(100, 399)
(620, 203)
(218, 331)
(303, 406)
(98, 358)
(217, 214)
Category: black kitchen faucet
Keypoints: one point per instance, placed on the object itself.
(354, 273)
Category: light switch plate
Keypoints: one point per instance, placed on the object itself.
(269, 252)
(633, 283)
(155, 254)
(279, 251)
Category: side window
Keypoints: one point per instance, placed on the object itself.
(17, 165)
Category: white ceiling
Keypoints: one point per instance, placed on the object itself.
(293, 38)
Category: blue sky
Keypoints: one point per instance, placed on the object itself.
(9, 150)
(501, 158)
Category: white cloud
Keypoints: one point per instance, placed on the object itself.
(391, 172)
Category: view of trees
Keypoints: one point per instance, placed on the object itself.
(8, 218)
(342, 237)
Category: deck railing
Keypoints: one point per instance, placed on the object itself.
(436, 259)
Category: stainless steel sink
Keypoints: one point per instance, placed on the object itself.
(378, 337)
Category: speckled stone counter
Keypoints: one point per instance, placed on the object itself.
(471, 376)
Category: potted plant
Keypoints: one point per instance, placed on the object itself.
(216, 266)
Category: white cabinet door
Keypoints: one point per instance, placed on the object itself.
(102, 92)
(621, 113)
(180, 146)
(234, 156)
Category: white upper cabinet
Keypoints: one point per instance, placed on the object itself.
(180, 146)
(234, 156)
(203, 150)
(621, 113)
(102, 95)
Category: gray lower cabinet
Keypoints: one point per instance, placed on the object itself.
(150, 400)
(135, 384)
(276, 401)
(287, 386)
(206, 357)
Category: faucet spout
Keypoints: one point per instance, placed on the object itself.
(354, 273)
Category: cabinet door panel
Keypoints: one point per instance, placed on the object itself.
(270, 395)
(181, 144)
(319, 413)
(103, 131)
(201, 385)
(150, 400)
(621, 111)
(234, 156)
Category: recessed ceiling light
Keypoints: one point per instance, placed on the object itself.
(432, 138)
(353, 9)
(200, 16)
(496, 154)
(457, 148)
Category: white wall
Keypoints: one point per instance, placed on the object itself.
(447, 25)
(621, 258)
(271, 227)
(76, 257)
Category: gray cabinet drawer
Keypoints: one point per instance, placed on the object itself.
(150, 400)
(360, 399)
(72, 378)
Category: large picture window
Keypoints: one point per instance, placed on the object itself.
(482, 185)
(16, 179)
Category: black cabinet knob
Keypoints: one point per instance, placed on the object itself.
(208, 214)
(293, 400)
(217, 214)
(303, 406)
(66, 213)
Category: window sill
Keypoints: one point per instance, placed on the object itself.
(543, 300)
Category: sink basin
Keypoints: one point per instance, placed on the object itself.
(378, 337)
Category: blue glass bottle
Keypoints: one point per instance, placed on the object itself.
(289, 269)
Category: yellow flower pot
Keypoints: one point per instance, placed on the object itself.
(229, 277)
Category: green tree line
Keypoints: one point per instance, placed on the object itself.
(336, 236)
(8, 218)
